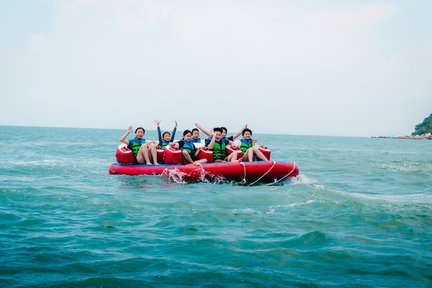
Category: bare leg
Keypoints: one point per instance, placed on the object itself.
(200, 161)
(143, 155)
(187, 157)
(250, 154)
(153, 153)
(232, 157)
(245, 156)
(259, 154)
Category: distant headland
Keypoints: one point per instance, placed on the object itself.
(423, 131)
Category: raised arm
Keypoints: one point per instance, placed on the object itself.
(174, 131)
(203, 130)
(211, 144)
(123, 138)
(239, 132)
(159, 131)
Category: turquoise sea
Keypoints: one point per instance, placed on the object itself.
(359, 215)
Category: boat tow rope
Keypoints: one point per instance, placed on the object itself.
(202, 168)
(294, 166)
(243, 181)
(253, 183)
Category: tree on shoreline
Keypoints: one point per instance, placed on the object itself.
(424, 127)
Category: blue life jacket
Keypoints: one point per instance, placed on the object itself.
(189, 147)
(164, 143)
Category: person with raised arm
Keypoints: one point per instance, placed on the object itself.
(224, 132)
(231, 138)
(141, 150)
(195, 136)
(217, 144)
(166, 137)
(207, 133)
(249, 149)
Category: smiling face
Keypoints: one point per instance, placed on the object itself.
(166, 136)
(195, 134)
(218, 135)
(224, 133)
(187, 136)
(247, 135)
(139, 133)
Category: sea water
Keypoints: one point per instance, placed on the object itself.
(358, 215)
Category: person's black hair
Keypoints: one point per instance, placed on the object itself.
(217, 129)
(194, 129)
(186, 132)
(246, 130)
(166, 132)
(224, 129)
(139, 128)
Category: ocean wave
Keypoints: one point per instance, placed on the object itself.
(406, 166)
(302, 179)
(398, 199)
(43, 162)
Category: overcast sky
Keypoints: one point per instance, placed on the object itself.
(354, 68)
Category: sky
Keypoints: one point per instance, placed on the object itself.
(341, 68)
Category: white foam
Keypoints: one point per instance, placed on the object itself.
(410, 166)
(174, 175)
(396, 199)
(302, 179)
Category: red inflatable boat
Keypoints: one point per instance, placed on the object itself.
(171, 159)
(247, 172)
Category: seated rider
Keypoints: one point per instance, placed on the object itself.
(195, 136)
(218, 145)
(142, 151)
(224, 132)
(166, 137)
(248, 148)
(189, 152)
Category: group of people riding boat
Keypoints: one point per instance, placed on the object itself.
(191, 144)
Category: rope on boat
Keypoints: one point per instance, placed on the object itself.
(274, 163)
(284, 176)
(243, 181)
(203, 171)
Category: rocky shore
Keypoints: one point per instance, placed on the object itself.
(427, 136)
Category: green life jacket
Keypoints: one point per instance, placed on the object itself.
(164, 144)
(135, 145)
(245, 145)
(189, 147)
(219, 150)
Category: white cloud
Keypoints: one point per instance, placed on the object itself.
(250, 27)
(313, 64)
(138, 14)
(37, 42)
(426, 48)
(130, 14)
